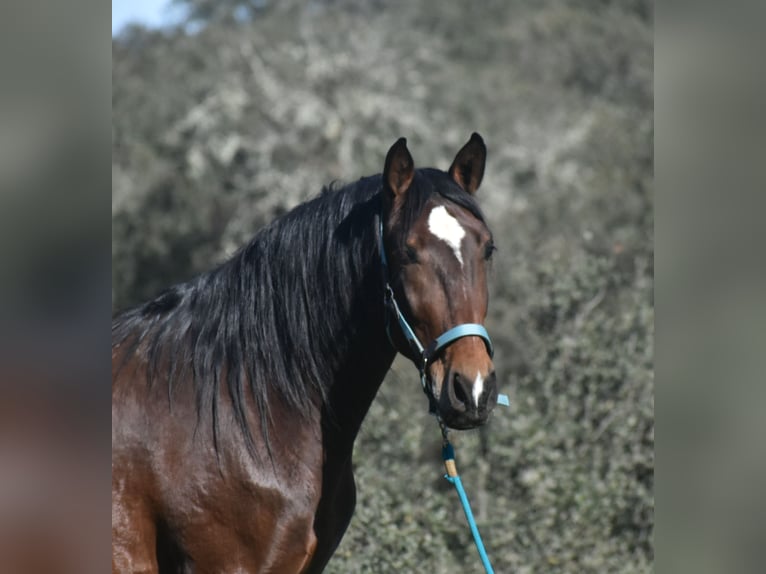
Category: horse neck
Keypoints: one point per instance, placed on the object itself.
(343, 300)
(361, 368)
(361, 353)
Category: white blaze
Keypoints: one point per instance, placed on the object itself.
(478, 387)
(447, 228)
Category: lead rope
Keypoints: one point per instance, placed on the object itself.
(448, 454)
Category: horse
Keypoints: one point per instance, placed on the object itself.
(237, 395)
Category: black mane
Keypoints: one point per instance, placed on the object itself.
(276, 316)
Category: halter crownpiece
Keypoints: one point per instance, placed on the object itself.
(424, 354)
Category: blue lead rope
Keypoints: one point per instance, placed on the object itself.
(448, 454)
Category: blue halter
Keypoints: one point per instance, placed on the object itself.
(423, 354)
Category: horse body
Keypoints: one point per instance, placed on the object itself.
(237, 397)
(182, 501)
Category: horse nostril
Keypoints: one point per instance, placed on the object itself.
(490, 392)
(459, 391)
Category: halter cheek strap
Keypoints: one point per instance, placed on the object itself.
(422, 354)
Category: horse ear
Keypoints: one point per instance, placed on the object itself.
(468, 168)
(399, 168)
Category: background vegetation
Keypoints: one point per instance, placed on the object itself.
(247, 109)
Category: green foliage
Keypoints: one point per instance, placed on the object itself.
(218, 132)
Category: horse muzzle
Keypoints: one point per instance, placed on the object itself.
(465, 402)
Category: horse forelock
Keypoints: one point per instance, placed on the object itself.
(429, 184)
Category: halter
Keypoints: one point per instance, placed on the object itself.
(423, 354)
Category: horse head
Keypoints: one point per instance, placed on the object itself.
(438, 248)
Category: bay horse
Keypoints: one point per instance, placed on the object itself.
(237, 396)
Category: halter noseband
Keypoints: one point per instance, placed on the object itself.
(423, 355)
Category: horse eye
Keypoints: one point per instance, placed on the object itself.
(411, 254)
(489, 250)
